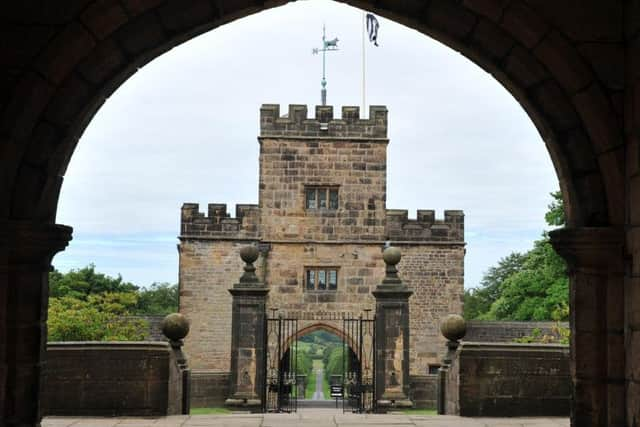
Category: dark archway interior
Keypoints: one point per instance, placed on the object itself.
(572, 65)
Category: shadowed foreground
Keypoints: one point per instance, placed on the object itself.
(307, 417)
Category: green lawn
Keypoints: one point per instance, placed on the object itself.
(420, 412)
(325, 388)
(311, 385)
(208, 411)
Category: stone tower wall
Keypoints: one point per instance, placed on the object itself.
(435, 273)
(360, 269)
(356, 168)
(349, 154)
(208, 268)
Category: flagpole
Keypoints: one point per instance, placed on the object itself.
(364, 104)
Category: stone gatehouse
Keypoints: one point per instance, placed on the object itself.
(320, 224)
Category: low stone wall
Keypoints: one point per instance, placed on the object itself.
(112, 379)
(209, 388)
(503, 331)
(424, 391)
(508, 380)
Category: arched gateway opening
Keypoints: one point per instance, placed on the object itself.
(572, 90)
(324, 354)
(328, 363)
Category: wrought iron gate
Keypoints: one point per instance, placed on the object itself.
(281, 391)
(359, 364)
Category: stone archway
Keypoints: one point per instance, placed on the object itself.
(105, 44)
(570, 65)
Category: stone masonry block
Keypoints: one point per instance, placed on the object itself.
(70, 98)
(297, 113)
(577, 148)
(589, 345)
(633, 353)
(601, 123)
(217, 210)
(593, 20)
(524, 68)
(564, 62)
(556, 106)
(607, 59)
(324, 113)
(31, 96)
(20, 48)
(136, 7)
(144, 32)
(103, 17)
(177, 15)
(104, 61)
(491, 9)
(426, 216)
(614, 182)
(451, 18)
(45, 138)
(65, 51)
(634, 198)
(491, 39)
(350, 114)
(524, 24)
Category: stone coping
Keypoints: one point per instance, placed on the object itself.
(476, 345)
(98, 345)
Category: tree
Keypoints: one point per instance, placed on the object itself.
(539, 291)
(478, 301)
(100, 317)
(530, 286)
(159, 299)
(85, 281)
(555, 214)
(85, 305)
(304, 364)
(335, 364)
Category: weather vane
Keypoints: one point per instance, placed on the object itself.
(327, 46)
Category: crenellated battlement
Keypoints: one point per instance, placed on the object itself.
(297, 123)
(425, 227)
(218, 223)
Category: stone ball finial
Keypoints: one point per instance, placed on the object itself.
(453, 327)
(175, 326)
(249, 254)
(391, 255)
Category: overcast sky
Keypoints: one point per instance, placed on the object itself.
(184, 127)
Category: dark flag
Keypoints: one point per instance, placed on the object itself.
(372, 28)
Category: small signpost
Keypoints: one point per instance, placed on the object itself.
(336, 392)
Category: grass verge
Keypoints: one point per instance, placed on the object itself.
(420, 412)
(311, 385)
(209, 411)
